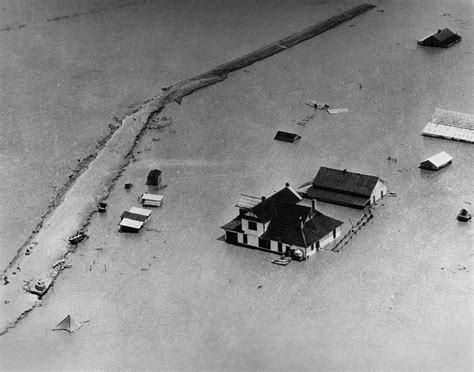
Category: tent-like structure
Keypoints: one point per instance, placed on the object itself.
(437, 161)
(443, 38)
(67, 324)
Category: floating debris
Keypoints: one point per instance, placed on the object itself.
(338, 111)
(78, 237)
(283, 261)
(317, 105)
(464, 215)
(128, 186)
(391, 193)
(287, 137)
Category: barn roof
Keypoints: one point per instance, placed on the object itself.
(337, 197)
(345, 182)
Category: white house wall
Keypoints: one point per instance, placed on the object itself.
(379, 188)
(261, 227)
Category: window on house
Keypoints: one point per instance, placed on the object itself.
(280, 247)
(252, 226)
(334, 234)
(245, 238)
(317, 244)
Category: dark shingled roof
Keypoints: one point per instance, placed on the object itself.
(344, 182)
(234, 225)
(286, 136)
(286, 226)
(265, 210)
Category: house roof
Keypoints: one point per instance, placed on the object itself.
(345, 182)
(234, 225)
(265, 210)
(133, 216)
(286, 136)
(439, 159)
(133, 224)
(141, 211)
(337, 197)
(247, 201)
(443, 38)
(299, 225)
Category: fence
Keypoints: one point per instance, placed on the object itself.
(366, 217)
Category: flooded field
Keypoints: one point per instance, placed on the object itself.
(176, 296)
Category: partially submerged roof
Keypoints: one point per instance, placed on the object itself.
(450, 125)
(141, 211)
(153, 197)
(346, 182)
(131, 224)
(287, 136)
(437, 161)
(442, 38)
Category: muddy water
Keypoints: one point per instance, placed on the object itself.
(175, 296)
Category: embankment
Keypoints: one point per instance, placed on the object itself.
(74, 206)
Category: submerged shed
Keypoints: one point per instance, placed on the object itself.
(437, 161)
(443, 38)
(287, 136)
(154, 178)
(133, 220)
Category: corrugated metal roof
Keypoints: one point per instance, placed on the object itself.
(450, 125)
(142, 211)
(439, 159)
(247, 201)
(344, 182)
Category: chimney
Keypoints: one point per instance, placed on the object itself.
(287, 184)
(263, 198)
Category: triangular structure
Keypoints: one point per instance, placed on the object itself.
(443, 38)
(67, 324)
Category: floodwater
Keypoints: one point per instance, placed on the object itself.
(176, 296)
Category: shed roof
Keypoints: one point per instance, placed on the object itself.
(133, 216)
(345, 182)
(133, 224)
(439, 159)
(286, 136)
(337, 197)
(142, 211)
(153, 197)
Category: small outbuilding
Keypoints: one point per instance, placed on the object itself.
(287, 136)
(443, 38)
(151, 200)
(134, 219)
(436, 162)
(154, 178)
